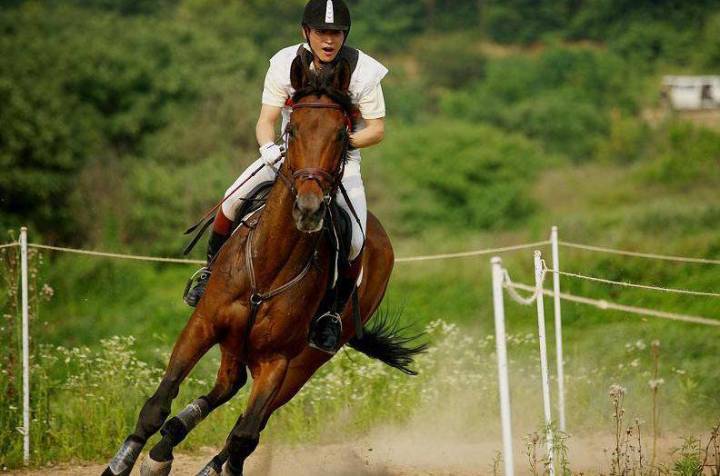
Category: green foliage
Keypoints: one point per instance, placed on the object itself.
(561, 99)
(626, 141)
(562, 121)
(460, 175)
(522, 20)
(684, 155)
(450, 61)
(384, 25)
(689, 460)
(709, 49)
(646, 43)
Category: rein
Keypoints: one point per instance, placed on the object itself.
(309, 173)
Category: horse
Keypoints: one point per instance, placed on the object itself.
(268, 282)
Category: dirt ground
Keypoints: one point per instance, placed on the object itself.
(381, 455)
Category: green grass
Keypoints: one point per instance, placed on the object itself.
(97, 299)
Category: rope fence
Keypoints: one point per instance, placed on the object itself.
(409, 259)
(601, 249)
(467, 254)
(631, 285)
(117, 255)
(607, 305)
(525, 301)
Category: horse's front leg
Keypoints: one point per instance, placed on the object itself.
(268, 376)
(230, 379)
(194, 341)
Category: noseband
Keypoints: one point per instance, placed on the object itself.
(327, 181)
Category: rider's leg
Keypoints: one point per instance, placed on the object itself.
(326, 329)
(222, 226)
(352, 181)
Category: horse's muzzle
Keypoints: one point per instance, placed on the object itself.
(308, 212)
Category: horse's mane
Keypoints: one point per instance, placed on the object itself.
(319, 84)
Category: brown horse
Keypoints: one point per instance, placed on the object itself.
(267, 284)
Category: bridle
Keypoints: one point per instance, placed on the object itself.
(329, 184)
(327, 181)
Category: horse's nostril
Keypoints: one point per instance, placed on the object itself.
(308, 204)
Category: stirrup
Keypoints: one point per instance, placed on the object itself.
(325, 322)
(195, 287)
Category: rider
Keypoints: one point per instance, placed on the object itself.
(325, 28)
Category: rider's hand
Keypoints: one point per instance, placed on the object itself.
(270, 152)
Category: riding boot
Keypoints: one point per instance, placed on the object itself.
(326, 329)
(196, 285)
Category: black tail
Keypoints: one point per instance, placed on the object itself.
(384, 341)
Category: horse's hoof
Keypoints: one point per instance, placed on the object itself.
(150, 467)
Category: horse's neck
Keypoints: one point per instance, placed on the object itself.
(276, 238)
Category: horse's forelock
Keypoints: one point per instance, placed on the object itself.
(319, 84)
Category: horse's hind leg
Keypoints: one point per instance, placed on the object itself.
(230, 378)
(268, 377)
(194, 341)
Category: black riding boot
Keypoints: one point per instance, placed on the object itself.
(326, 328)
(196, 285)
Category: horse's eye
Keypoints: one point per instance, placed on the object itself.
(291, 131)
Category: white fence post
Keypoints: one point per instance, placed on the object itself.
(558, 327)
(543, 359)
(25, 344)
(503, 381)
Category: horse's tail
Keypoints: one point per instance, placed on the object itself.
(383, 340)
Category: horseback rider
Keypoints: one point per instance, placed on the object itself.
(325, 28)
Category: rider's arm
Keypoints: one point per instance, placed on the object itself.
(372, 110)
(372, 134)
(266, 124)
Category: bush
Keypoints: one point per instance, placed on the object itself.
(627, 139)
(459, 175)
(684, 155)
(563, 121)
(449, 61)
(709, 51)
(643, 44)
(522, 21)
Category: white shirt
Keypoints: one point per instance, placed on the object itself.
(365, 89)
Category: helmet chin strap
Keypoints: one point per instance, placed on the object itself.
(306, 30)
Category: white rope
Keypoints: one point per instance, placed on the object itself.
(509, 285)
(116, 255)
(190, 261)
(632, 285)
(605, 305)
(466, 254)
(680, 259)
(9, 245)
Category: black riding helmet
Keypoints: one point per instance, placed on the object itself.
(327, 15)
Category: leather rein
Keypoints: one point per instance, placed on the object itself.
(319, 175)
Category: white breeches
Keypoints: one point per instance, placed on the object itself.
(352, 181)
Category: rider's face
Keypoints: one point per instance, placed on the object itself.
(325, 43)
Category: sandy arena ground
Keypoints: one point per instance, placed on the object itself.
(378, 456)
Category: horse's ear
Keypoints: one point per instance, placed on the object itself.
(299, 73)
(341, 75)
